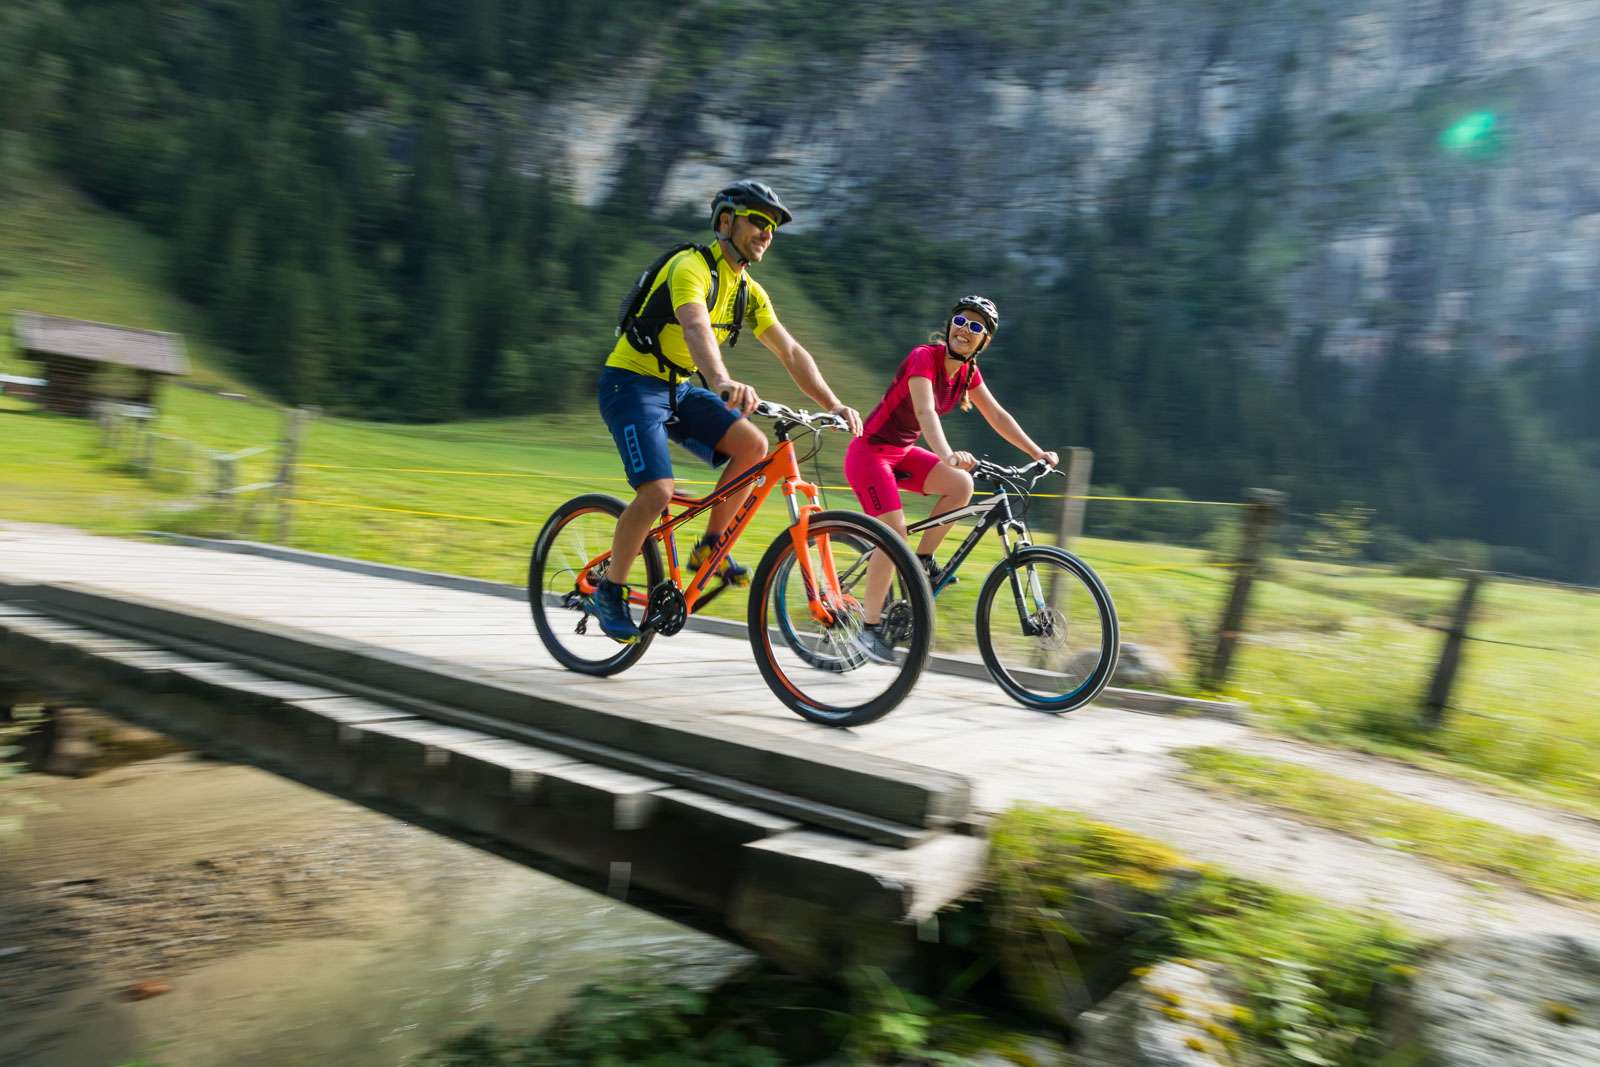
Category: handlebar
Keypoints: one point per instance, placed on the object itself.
(820, 420)
(1031, 471)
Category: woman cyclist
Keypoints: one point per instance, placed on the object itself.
(931, 382)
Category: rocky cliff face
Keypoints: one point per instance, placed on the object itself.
(1379, 221)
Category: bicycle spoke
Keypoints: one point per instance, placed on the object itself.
(576, 535)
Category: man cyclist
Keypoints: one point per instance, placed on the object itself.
(637, 387)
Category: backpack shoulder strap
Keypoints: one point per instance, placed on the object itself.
(741, 302)
(716, 277)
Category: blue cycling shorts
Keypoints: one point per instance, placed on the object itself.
(636, 409)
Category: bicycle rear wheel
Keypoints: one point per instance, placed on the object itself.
(1047, 629)
(818, 668)
(578, 532)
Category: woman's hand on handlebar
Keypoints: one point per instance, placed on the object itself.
(738, 396)
(1048, 457)
(965, 460)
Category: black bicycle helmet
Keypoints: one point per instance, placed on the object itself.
(983, 306)
(752, 194)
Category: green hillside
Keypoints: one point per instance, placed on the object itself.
(61, 254)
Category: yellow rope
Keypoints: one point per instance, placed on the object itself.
(488, 474)
(687, 481)
(1170, 566)
(408, 511)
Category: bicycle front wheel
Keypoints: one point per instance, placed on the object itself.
(1047, 629)
(895, 617)
(575, 536)
(816, 661)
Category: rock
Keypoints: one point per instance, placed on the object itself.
(1068, 931)
(75, 742)
(1138, 667)
(1018, 1050)
(1171, 1016)
(1490, 1000)
(149, 987)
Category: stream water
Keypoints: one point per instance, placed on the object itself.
(277, 925)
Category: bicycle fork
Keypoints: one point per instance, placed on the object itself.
(817, 598)
(1024, 587)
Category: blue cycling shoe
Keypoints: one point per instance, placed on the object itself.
(609, 604)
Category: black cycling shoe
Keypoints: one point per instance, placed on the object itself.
(872, 645)
(930, 566)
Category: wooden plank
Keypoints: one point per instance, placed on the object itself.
(501, 767)
(715, 818)
(629, 798)
(860, 878)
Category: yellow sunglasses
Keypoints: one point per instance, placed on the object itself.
(760, 221)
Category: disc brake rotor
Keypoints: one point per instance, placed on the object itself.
(1052, 629)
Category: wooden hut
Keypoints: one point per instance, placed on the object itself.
(89, 361)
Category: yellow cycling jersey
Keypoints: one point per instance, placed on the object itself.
(690, 282)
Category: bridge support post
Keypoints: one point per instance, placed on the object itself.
(823, 906)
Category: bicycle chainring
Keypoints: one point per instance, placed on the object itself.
(667, 609)
(897, 622)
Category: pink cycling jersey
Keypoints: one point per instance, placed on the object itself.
(894, 420)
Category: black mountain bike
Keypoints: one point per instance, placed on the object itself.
(1046, 626)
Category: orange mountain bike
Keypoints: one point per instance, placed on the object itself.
(811, 579)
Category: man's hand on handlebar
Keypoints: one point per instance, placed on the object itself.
(738, 396)
(850, 415)
(1049, 457)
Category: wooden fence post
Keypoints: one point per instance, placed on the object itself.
(224, 474)
(292, 418)
(1437, 701)
(1079, 462)
(1265, 505)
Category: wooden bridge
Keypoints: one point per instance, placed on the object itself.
(681, 786)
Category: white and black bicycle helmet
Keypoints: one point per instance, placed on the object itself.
(983, 306)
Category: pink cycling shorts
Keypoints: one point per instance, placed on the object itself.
(878, 472)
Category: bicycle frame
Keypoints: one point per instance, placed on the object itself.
(778, 468)
(997, 514)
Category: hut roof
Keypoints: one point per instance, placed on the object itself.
(161, 353)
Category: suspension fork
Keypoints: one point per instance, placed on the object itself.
(817, 598)
(1034, 589)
